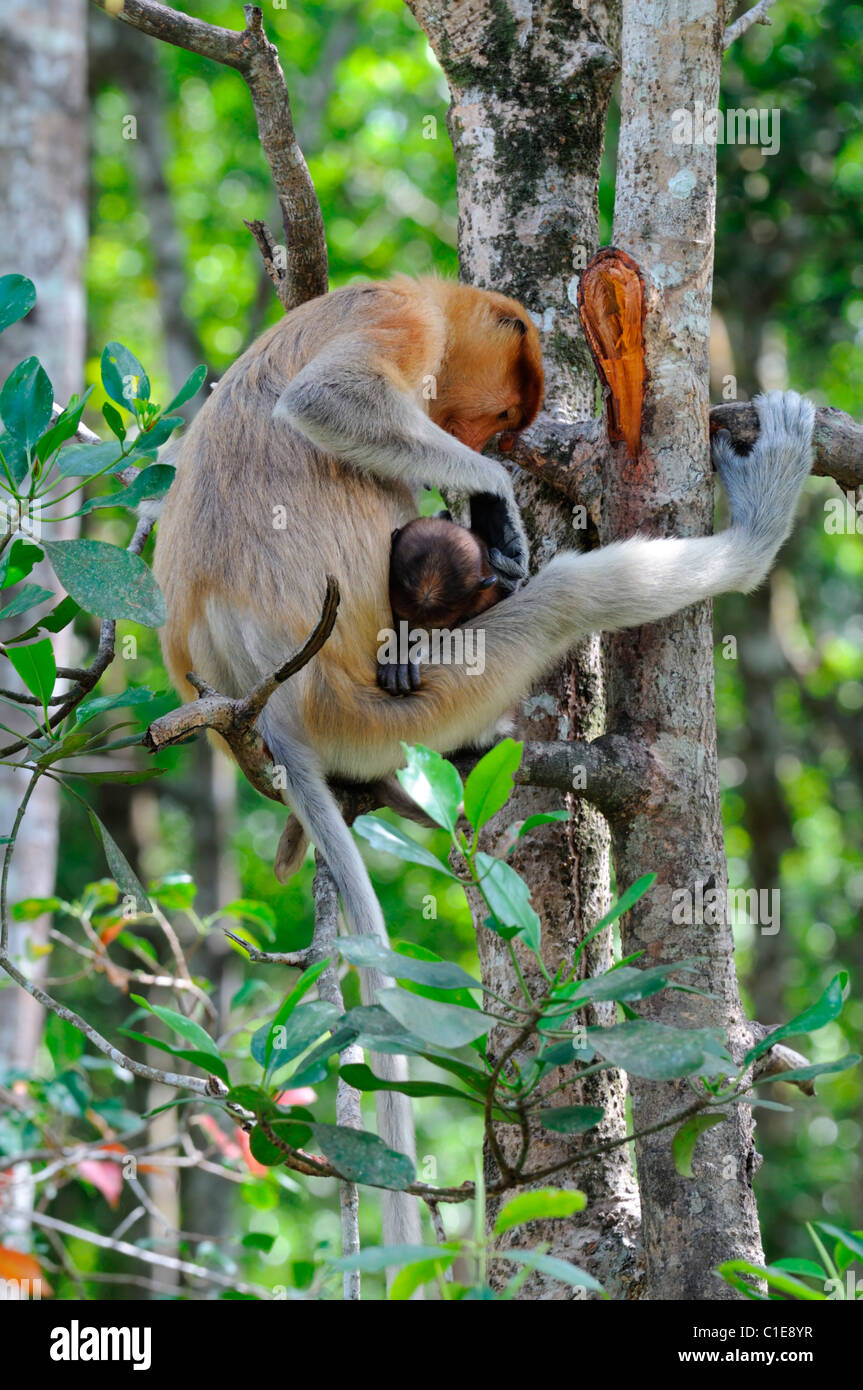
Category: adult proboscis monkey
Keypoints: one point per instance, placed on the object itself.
(302, 462)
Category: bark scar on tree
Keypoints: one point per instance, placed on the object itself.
(611, 308)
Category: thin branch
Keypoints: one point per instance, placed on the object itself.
(235, 720)
(304, 274)
(151, 1257)
(757, 15)
(209, 1086)
(297, 960)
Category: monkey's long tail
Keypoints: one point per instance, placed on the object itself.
(312, 802)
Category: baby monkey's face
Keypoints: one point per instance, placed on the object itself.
(440, 574)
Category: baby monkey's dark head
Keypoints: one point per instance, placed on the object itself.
(440, 573)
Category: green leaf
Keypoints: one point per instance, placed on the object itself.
(14, 459)
(772, 1275)
(114, 421)
(433, 783)
(132, 695)
(85, 460)
(186, 1028)
(543, 818)
(851, 1059)
(150, 482)
(107, 581)
(191, 386)
(27, 597)
(627, 900)
(150, 440)
(362, 1157)
(37, 668)
(258, 1240)
(17, 297)
(376, 1259)
(123, 377)
(549, 1264)
(371, 954)
(508, 896)
(570, 1119)
(174, 891)
(380, 1031)
(445, 1025)
(624, 982)
(357, 1074)
(252, 1098)
(852, 1240)
(687, 1136)
(413, 1276)
(313, 1067)
(660, 1052)
(247, 910)
(263, 1150)
(63, 428)
(489, 785)
(823, 1011)
(65, 1043)
(17, 562)
(26, 401)
(55, 621)
(807, 1267)
(542, 1205)
(276, 1044)
(206, 1061)
(393, 841)
(283, 1013)
(124, 875)
(28, 909)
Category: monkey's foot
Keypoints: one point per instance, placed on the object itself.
(399, 678)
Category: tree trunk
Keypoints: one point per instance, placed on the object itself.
(43, 223)
(530, 90)
(661, 676)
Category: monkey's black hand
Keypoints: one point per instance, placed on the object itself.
(399, 678)
(497, 521)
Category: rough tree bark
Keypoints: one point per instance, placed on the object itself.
(530, 89)
(660, 677)
(43, 224)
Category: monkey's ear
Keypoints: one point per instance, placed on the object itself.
(513, 322)
(487, 582)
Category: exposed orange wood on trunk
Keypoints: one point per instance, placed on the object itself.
(611, 307)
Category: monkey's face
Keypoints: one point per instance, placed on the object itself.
(492, 380)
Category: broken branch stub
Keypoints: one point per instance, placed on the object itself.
(611, 308)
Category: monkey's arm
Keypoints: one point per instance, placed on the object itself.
(354, 402)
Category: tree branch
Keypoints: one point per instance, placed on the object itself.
(569, 456)
(235, 720)
(304, 273)
(757, 15)
(837, 438)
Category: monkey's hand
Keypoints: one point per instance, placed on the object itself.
(399, 678)
(497, 521)
(763, 486)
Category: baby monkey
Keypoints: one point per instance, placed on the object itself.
(440, 576)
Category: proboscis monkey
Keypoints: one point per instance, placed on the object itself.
(304, 460)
